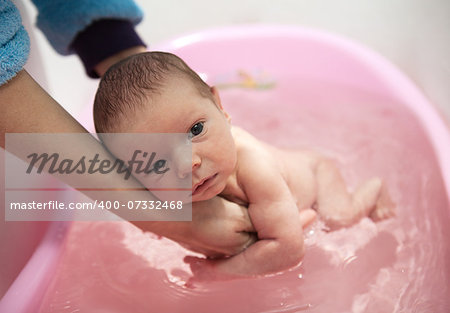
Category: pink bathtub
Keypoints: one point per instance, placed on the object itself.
(293, 87)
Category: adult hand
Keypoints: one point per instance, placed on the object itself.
(218, 228)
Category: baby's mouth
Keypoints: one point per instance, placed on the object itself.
(203, 184)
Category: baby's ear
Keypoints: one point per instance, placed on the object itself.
(215, 93)
(216, 97)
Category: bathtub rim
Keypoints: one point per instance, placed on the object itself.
(40, 267)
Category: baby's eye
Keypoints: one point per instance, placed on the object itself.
(196, 129)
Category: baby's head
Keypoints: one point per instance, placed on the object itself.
(157, 92)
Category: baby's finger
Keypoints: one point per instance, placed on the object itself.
(193, 260)
(307, 217)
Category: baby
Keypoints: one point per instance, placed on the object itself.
(157, 92)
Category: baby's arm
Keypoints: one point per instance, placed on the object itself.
(275, 217)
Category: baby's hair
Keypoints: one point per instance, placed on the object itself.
(127, 85)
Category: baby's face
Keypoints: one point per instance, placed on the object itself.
(179, 108)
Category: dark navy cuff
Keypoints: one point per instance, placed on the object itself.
(102, 39)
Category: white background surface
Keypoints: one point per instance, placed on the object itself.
(414, 34)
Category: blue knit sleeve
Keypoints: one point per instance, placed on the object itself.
(14, 41)
(61, 20)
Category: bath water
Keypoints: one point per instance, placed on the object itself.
(397, 265)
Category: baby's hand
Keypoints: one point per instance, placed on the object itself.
(219, 228)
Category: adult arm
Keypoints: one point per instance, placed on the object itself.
(100, 32)
(26, 108)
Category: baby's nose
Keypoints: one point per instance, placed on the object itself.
(182, 161)
(196, 161)
(184, 166)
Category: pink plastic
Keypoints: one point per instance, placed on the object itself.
(272, 56)
(25, 294)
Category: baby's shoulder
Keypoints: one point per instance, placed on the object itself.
(249, 145)
(251, 152)
(243, 139)
(239, 133)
